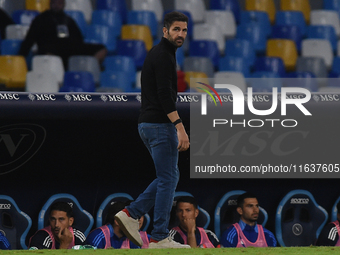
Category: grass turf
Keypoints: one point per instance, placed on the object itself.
(234, 251)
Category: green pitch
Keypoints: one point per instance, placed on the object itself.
(232, 251)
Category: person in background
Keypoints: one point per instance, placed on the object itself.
(329, 235)
(4, 243)
(111, 235)
(187, 232)
(247, 232)
(59, 234)
(55, 33)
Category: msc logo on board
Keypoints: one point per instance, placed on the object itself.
(78, 98)
(18, 144)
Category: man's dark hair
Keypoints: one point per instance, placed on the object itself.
(241, 198)
(186, 199)
(62, 206)
(171, 17)
(114, 208)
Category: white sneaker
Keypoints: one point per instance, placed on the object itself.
(167, 243)
(130, 227)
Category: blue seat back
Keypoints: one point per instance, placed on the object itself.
(108, 18)
(79, 18)
(78, 81)
(234, 64)
(113, 5)
(259, 17)
(305, 80)
(180, 56)
(323, 32)
(290, 32)
(256, 35)
(104, 35)
(121, 63)
(334, 213)
(14, 223)
(202, 220)
(270, 64)
(10, 46)
(132, 48)
(240, 48)
(205, 48)
(24, 17)
(117, 81)
(291, 18)
(226, 214)
(104, 208)
(299, 219)
(83, 220)
(263, 81)
(143, 17)
(229, 5)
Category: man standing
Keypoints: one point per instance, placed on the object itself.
(187, 232)
(247, 232)
(329, 235)
(162, 132)
(110, 235)
(59, 234)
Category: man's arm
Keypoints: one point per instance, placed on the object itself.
(183, 139)
(96, 239)
(329, 236)
(229, 237)
(65, 238)
(31, 37)
(270, 238)
(41, 240)
(213, 238)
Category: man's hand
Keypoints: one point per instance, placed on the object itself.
(65, 238)
(183, 139)
(190, 225)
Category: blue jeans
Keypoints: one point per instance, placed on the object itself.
(161, 141)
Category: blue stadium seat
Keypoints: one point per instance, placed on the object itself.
(336, 65)
(14, 223)
(103, 209)
(323, 32)
(132, 48)
(121, 63)
(270, 64)
(226, 214)
(114, 5)
(240, 48)
(256, 35)
(265, 81)
(290, 32)
(334, 213)
(258, 17)
(302, 80)
(229, 5)
(78, 82)
(108, 18)
(205, 48)
(299, 219)
(24, 17)
(104, 35)
(199, 64)
(142, 17)
(83, 220)
(202, 220)
(236, 64)
(190, 21)
(332, 5)
(115, 81)
(180, 56)
(291, 18)
(79, 18)
(10, 46)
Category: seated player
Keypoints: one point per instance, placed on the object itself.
(187, 232)
(247, 232)
(59, 234)
(111, 235)
(329, 235)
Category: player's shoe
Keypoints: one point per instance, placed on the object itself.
(129, 226)
(166, 244)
